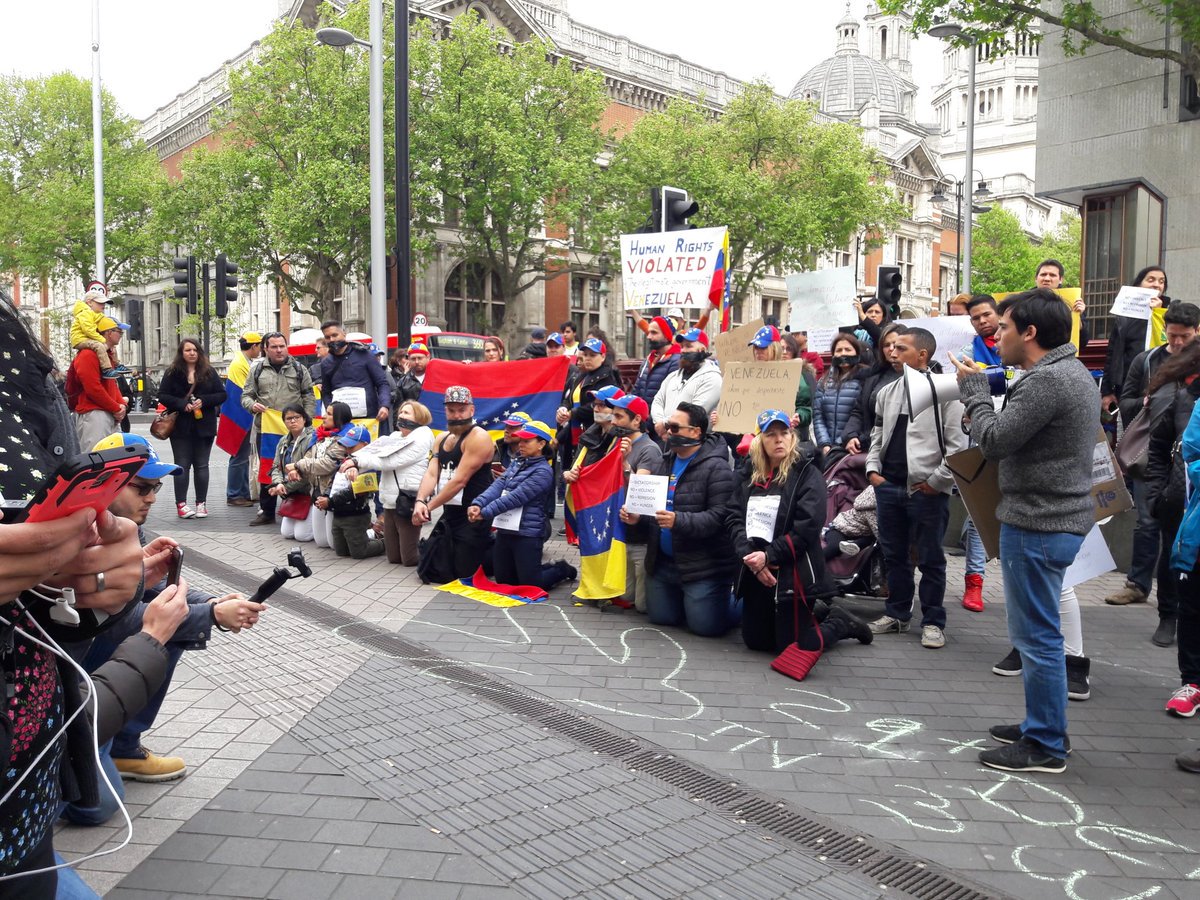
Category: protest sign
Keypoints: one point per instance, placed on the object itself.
(823, 299)
(646, 494)
(734, 345)
(669, 269)
(952, 334)
(1094, 558)
(749, 388)
(820, 340)
(1133, 302)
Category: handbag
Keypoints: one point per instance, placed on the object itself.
(793, 661)
(436, 562)
(406, 504)
(164, 423)
(1134, 446)
(296, 506)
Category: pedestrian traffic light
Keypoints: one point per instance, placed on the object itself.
(133, 315)
(888, 284)
(185, 283)
(226, 284)
(676, 207)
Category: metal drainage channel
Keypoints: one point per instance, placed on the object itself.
(883, 864)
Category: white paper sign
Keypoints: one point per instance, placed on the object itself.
(671, 268)
(646, 494)
(820, 340)
(1133, 302)
(1093, 559)
(761, 513)
(510, 520)
(951, 332)
(822, 299)
(444, 477)
(354, 397)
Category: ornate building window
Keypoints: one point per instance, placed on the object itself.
(905, 251)
(474, 302)
(585, 303)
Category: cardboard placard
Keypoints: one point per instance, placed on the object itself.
(646, 494)
(734, 345)
(749, 388)
(978, 482)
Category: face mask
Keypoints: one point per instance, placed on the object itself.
(408, 424)
(693, 358)
(602, 416)
(657, 345)
(681, 442)
(459, 423)
(845, 360)
(621, 431)
(335, 346)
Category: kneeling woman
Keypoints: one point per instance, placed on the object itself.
(515, 502)
(775, 520)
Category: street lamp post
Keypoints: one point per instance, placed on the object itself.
(943, 30)
(940, 197)
(404, 309)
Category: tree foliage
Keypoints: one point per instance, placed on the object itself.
(787, 187)
(504, 140)
(1083, 23)
(46, 184)
(1065, 244)
(1002, 256)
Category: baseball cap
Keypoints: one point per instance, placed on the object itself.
(252, 337)
(108, 323)
(769, 417)
(555, 338)
(97, 295)
(152, 468)
(595, 345)
(696, 334)
(632, 403)
(417, 347)
(516, 420)
(354, 434)
(457, 394)
(538, 334)
(606, 393)
(534, 429)
(764, 337)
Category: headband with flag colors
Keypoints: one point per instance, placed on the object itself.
(532, 386)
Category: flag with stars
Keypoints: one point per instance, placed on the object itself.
(532, 386)
(719, 291)
(593, 515)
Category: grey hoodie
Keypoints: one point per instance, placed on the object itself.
(1043, 439)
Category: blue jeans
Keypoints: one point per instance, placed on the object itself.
(1033, 563)
(1144, 558)
(918, 520)
(70, 885)
(976, 557)
(703, 607)
(237, 479)
(107, 808)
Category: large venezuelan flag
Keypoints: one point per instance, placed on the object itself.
(270, 430)
(593, 514)
(718, 292)
(235, 422)
(531, 386)
(480, 587)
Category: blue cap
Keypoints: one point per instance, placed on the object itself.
(153, 468)
(764, 337)
(606, 393)
(354, 434)
(516, 420)
(769, 417)
(595, 345)
(696, 334)
(555, 338)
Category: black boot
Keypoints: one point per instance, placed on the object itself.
(1078, 687)
(839, 624)
(1164, 635)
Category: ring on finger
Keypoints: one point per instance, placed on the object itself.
(100, 582)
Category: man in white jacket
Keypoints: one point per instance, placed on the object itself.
(697, 380)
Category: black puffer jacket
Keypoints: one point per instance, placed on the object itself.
(702, 495)
(1126, 340)
(1166, 493)
(862, 418)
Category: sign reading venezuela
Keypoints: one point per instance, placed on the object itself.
(670, 268)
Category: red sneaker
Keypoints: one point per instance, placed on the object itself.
(1185, 701)
(973, 595)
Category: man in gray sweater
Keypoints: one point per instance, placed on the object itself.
(1043, 440)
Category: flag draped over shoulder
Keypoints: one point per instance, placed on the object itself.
(1156, 328)
(235, 422)
(718, 293)
(480, 587)
(270, 431)
(593, 515)
(531, 386)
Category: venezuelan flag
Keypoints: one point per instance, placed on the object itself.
(235, 422)
(593, 514)
(718, 293)
(480, 587)
(499, 389)
(270, 431)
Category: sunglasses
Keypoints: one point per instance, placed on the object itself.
(145, 490)
(675, 427)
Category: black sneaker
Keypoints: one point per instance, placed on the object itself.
(1010, 665)
(1024, 756)
(1010, 734)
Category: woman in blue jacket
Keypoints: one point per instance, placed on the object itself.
(837, 394)
(515, 502)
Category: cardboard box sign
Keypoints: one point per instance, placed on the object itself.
(748, 388)
(978, 482)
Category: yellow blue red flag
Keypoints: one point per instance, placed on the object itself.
(593, 515)
(235, 422)
(270, 431)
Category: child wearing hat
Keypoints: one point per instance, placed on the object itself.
(350, 502)
(85, 335)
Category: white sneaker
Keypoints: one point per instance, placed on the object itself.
(886, 624)
(849, 548)
(185, 511)
(201, 510)
(932, 637)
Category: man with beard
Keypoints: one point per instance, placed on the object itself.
(661, 362)
(697, 380)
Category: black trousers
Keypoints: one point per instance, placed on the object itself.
(191, 454)
(1188, 634)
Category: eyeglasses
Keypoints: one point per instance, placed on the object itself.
(145, 490)
(675, 427)
(293, 418)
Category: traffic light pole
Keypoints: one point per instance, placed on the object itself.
(404, 309)
(204, 278)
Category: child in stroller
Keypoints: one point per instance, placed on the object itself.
(851, 549)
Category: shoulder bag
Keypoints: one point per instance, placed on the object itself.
(164, 423)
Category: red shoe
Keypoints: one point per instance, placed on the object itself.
(1185, 701)
(973, 596)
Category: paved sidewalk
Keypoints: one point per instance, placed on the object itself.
(458, 725)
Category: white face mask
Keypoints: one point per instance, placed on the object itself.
(603, 416)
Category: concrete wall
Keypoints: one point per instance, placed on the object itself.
(1102, 121)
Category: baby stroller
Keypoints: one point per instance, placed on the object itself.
(862, 573)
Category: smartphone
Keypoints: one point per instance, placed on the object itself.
(176, 567)
(88, 480)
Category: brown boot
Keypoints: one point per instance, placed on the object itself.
(262, 519)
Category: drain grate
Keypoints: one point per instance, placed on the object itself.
(883, 864)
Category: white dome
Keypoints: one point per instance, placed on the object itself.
(841, 84)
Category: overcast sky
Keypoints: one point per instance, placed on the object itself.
(154, 49)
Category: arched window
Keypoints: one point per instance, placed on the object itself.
(883, 42)
(474, 302)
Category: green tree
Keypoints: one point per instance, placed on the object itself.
(1002, 256)
(1083, 23)
(286, 189)
(787, 186)
(1065, 244)
(504, 140)
(46, 185)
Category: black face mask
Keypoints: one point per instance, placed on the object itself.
(693, 358)
(459, 423)
(681, 442)
(658, 345)
(622, 431)
(408, 423)
(337, 346)
(844, 360)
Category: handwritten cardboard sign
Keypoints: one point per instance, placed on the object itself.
(670, 268)
(646, 494)
(734, 345)
(822, 299)
(749, 388)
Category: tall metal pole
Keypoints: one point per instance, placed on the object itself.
(379, 273)
(404, 309)
(969, 186)
(204, 308)
(958, 243)
(97, 143)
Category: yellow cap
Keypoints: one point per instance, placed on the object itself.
(252, 337)
(106, 324)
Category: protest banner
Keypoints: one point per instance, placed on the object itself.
(669, 269)
(646, 494)
(822, 299)
(1133, 302)
(749, 388)
(734, 345)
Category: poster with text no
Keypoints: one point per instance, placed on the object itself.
(749, 388)
(669, 269)
(823, 299)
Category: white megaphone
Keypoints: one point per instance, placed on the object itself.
(923, 389)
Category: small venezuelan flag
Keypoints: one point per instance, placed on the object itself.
(593, 516)
(719, 293)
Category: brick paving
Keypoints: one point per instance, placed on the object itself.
(879, 739)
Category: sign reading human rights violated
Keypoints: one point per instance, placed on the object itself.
(670, 268)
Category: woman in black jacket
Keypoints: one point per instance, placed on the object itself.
(1128, 338)
(575, 415)
(857, 433)
(774, 521)
(192, 388)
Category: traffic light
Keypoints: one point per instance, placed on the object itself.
(676, 207)
(887, 289)
(133, 315)
(226, 284)
(185, 282)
